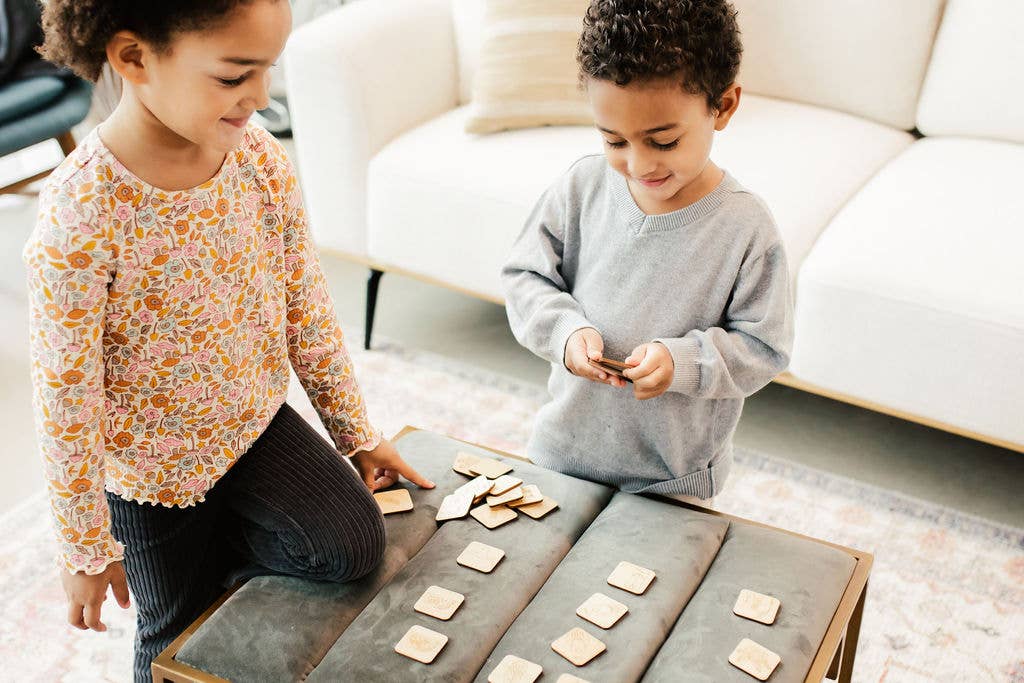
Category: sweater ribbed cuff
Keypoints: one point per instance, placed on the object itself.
(685, 356)
(564, 326)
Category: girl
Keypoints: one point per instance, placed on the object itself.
(172, 282)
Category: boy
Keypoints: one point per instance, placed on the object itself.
(653, 253)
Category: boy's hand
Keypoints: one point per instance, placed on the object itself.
(383, 466)
(652, 375)
(86, 594)
(583, 346)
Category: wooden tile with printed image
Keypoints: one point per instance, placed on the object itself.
(510, 496)
(601, 610)
(504, 483)
(538, 510)
(481, 557)
(478, 487)
(756, 660)
(756, 606)
(569, 678)
(492, 469)
(397, 500)
(494, 517)
(463, 461)
(578, 646)
(531, 495)
(514, 669)
(454, 506)
(631, 577)
(421, 644)
(439, 603)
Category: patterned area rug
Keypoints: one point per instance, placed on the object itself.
(945, 601)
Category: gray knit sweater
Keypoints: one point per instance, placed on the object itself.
(709, 281)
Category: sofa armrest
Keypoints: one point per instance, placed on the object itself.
(358, 77)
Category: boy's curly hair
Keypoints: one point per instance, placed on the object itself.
(76, 32)
(697, 41)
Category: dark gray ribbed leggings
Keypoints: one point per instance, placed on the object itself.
(290, 505)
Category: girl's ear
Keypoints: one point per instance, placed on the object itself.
(128, 55)
(730, 102)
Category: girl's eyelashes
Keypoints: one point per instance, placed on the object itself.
(663, 147)
(233, 82)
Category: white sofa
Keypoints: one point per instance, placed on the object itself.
(888, 139)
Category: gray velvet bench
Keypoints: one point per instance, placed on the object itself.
(280, 629)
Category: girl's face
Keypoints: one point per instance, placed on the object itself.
(208, 83)
(659, 137)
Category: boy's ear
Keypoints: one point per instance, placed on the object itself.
(730, 102)
(128, 55)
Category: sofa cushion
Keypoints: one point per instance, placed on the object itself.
(911, 298)
(528, 75)
(970, 89)
(804, 161)
(448, 205)
(866, 58)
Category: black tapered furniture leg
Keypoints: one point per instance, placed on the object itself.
(372, 284)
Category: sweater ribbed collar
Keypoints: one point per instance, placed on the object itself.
(639, 221)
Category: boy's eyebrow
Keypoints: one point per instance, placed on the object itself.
(649, 131)
(245, 61)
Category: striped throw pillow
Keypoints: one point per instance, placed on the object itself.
(527, 73)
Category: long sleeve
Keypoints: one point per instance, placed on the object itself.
(316, 345)
(754, 342)
(70, 262)
(541, 310)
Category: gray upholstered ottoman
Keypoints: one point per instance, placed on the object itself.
(682, 628)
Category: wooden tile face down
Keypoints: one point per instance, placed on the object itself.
(514, 669)
(601, 610)
(481, 557)
(397, 500)
(439, 603)
(421, 644)
(631, 577)
(494, 517)
(756, 660)
(538, 510)
(578, 646)
(492, 469)
(756, 606)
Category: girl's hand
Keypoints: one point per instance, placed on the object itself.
(86, 594)
(383, 466)
(584, 346)
(652, 375)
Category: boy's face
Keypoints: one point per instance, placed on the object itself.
(209, 82)
(659, 137)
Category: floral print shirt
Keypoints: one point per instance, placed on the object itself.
(162, 327)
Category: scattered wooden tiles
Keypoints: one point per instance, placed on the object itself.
(578, 646)
(463, 461)
(492, 469)
(454, 506)
(504, 483)
(439, 603)
(531, 495)
(510, 496)
(756, 660)
(538, 510)
(601, 610)
(514, 669)
(756, 606)
(421, 644)
(396, 500)
(631, 577)
(481, 557)
(494, 517)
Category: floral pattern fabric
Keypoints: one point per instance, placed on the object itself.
(162, 329)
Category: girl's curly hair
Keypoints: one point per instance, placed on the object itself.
(76, 32)
(627, 41)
